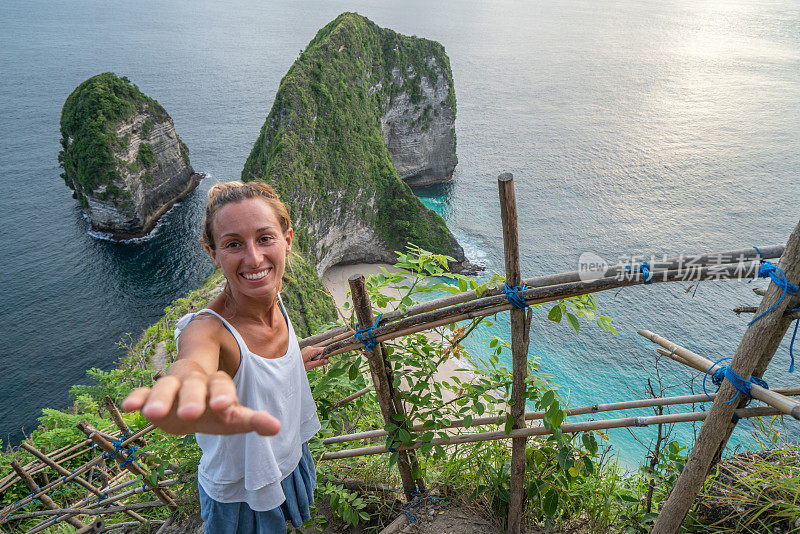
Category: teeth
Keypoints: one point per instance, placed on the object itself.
(256, 276)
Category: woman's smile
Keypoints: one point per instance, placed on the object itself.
(257, 275)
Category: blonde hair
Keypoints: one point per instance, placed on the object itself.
(229, 192)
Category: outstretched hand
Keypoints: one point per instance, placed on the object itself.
(312, 357)
(199, 404)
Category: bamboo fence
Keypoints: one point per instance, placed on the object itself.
(762, 341)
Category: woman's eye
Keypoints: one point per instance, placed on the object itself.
(266, 238)
(232, 244)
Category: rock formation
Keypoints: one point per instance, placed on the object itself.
(122, 157)
(360, 104)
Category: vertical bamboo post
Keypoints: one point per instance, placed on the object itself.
(79, 480)
(758, 345)
(381, 371)
(520, 328)
(165, 495)
(44, 498)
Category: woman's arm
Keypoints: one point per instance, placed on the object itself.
(195, 396)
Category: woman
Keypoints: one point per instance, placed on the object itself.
(239, 381)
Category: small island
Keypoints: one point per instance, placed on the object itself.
(122, 157)
(361, 114)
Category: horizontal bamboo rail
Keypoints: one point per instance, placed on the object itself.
(568, 428)
(791, 314)
(81, 505)
(491, 305)
(693, 261)
(776, 400)
(531, 416)
(93, 511)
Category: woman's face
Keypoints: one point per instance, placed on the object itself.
(251, 247)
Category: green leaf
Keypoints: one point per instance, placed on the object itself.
(587, 463)
(547, 399)
(555, 313)
(467, 421)
(462, 285)
(558, 418)
(353, 374)
(550, 504)
(573, 322)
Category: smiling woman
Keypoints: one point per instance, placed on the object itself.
(239, 382)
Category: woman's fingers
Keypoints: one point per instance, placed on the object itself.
(162, 395)
(135, 399)
(221, 391)
(192, 397)
(246, 420)
(312, 357)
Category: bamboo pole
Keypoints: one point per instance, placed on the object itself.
(78, 479)
(164, 495)
(776, 400)
(520, 330)
(494, 304)
(53, 485)
(756, 349)
(532, 416)
(35, 467)
(791, 314)
(82, 505)
(85, 502)
(94, 511)
(691, 262)
(772, 397)
(95, 526)
(117, 418)
(381, 372)
(567, 428)
(360, 393)
(45, 499)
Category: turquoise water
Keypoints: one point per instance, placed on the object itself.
(630, 127)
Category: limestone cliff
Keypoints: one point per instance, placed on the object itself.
(122, 157)
(360, 104)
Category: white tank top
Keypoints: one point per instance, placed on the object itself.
(249, 467)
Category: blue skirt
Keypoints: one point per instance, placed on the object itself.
(239, 518)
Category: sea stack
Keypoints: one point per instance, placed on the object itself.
(122, 157)
(361, 110)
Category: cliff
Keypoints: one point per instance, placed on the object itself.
(361, 108)
(121, 156)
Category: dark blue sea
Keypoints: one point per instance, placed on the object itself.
(631, 127)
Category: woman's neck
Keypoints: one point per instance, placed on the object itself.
(259, 310)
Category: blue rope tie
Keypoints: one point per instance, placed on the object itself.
(742, 385)
(791, 344)
(770, 270)
(514, 296)
(389, 444)
(364, 335)
(129, 458)
(643, 268)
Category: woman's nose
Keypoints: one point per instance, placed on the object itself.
(253, 254)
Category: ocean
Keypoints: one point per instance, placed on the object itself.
(630, 127)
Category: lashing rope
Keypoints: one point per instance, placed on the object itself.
(514, 296)
(364, 335)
